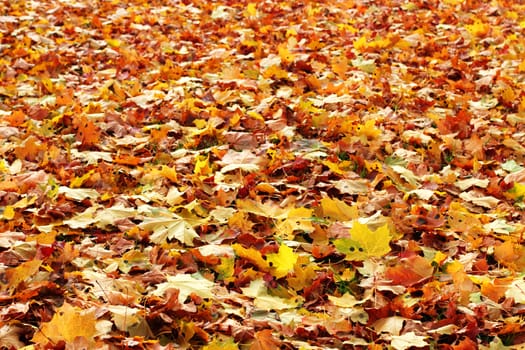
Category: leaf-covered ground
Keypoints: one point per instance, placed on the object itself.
(262, 175)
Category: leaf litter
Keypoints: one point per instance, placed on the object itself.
(262, 175)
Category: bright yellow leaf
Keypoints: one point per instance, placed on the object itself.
(165, 171)
(364, 243)
(202, 166)
(478, 28)
(360, 44)
(304, 274)
(251, 10)
(282, 262)
(9, 212)
(114, 42)
(368, 129)
(225, 269)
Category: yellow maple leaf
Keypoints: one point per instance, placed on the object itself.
(360, 44)
(338, 210)
(202, 166)
(225, 269)
(251, 10)
(478, 28)
(296, 219)
(22, 272)
(282, 262)
(165, 171)
(275, 72)
(9, 212)
(304, 274)
(364, 243)
(68, 323)
(251, 254)
(368, 130)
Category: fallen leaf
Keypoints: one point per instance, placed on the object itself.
(408, 340)
(68, 323)
(364, 243)
(186, 284)
(283, 262)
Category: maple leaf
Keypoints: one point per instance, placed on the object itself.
(410, 271)
(517, 192)
(364, 243)
(336, 209)
(163, 229)
(264, 340)
(186, 284)
(303, 275)
(295, 219)
(87, 132)
(123, 316)
(22, 272)
(516, 291)
(251, 254)
(478, 28)
(68, 323)
(282, 262)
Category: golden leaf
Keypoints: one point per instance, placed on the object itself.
(364, 243)
(68, 323)
(282, 262)
(251, 254)
(22, 272)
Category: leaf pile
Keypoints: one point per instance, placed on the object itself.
(262, 175)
